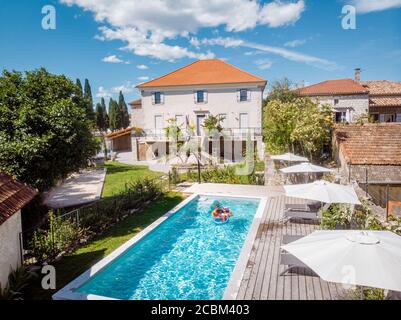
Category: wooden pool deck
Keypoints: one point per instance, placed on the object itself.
(262, 279)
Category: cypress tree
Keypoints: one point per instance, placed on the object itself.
(105, 115)
(124, 115)
(99, 117)
(79, 85)
(112, 117)
(89, 101)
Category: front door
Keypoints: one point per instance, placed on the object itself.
(200, 118)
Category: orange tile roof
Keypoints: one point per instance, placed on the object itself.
(372, 144)
(385, 101)
(332, 87)
(382, 87)
(13, 196)
(204, 72)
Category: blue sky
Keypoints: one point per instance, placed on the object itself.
(118, 44)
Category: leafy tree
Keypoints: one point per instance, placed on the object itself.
(124, 115)
(89, 101)
(299, 126)
(282, 90)
(213, 123)
(44, 134)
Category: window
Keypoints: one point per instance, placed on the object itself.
(200, 96)
(387, 118)
(340, 116)
(157, 97)
(336, 102)
(243, 95)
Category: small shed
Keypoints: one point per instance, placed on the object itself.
(13, 196)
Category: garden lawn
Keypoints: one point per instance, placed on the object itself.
(119, 174)
(72, 265)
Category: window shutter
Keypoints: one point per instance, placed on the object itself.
(398, 117)
(238, 95)
(381, 118)
(204, 96)
(196, 96)
(162, 97)
(153, 98)
(248, 95)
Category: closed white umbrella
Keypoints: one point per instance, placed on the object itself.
(305, 167)
(323, 191)
(354, 257)
(289, 157)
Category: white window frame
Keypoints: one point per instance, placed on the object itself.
(248, 95)
(205, 96)
(154, 97)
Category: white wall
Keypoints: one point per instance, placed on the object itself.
(9, 246)
(180, 101)
(357, 104)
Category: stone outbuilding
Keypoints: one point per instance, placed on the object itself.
(13, 196)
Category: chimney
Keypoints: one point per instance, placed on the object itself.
(358, 74)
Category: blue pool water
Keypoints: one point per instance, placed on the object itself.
(188, 256)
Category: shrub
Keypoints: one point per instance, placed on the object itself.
(18, 279)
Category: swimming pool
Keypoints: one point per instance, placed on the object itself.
(187, 256)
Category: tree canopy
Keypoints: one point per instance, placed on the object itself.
(44, 131)
(299, 125)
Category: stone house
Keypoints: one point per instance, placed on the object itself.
(13, 196)
(352, 99)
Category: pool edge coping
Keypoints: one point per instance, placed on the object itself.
(68, 291)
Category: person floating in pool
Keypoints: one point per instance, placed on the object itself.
(221, 214)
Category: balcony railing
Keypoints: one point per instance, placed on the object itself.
(233, 133)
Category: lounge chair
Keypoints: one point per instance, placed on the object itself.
(303, 206)
(298, 214)
(288, 259)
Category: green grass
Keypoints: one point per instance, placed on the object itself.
(72, 265)
(119, 174)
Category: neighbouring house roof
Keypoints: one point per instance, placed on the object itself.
(382, 87)
(385, 101)
(204, 72)
(13, 196)
(333, 87)
(136, 104)
(371, 144)
(119, 133)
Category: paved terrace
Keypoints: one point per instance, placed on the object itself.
(261, 279)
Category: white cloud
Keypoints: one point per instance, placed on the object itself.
(264, 64)
(142, 67)
(124, 88)
(282, 52)
(114, 59)
(146, 26)
(294, 56)
(225, 42)
(366, 6)
(277, 14)
(103, 93)
(295, 43)
(144, 78)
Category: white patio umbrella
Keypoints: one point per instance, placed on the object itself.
(354, 257)
(323, 191)
(305, 167)
(289, 157)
